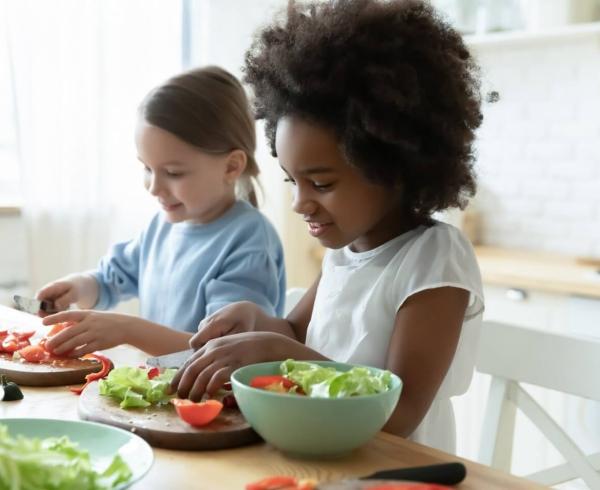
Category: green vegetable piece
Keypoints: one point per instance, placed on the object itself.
(10, 390)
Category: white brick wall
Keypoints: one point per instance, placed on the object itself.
(539, 146)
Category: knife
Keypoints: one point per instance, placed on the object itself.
(33, 306)
(441, 474)
(173, 360)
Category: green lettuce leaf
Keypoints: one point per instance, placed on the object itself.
(327, 382)
(132, 388)
(54, 463)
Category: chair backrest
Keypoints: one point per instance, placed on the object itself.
(514, 355)
(292, 296)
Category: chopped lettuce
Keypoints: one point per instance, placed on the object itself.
(132, 388)
(327, 382)
(54, 463)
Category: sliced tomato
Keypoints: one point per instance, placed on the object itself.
(58, 327)
(197, 414)
(95, 376)
(273, 483)
(13, 342)
(281, 483)
(23, 335)
(153, 372)
(33, 353)
(272, 383)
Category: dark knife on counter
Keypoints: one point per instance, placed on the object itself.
(438, 475)
(442, 474)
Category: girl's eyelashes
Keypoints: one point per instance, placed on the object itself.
(321, 187)
(315, 185)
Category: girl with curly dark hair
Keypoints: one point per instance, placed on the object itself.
(371, 107)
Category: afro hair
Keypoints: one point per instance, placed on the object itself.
(391, 78)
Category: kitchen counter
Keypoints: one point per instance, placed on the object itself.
(230, 469)
(539, 270)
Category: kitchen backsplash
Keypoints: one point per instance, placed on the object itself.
(539, 146)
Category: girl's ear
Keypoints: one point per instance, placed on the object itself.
(235, 165)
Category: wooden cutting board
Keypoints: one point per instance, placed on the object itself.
(162, 427)
(30, 374)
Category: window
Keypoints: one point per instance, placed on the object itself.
(10, 194)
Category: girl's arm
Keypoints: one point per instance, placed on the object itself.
(98, 330)
(425, 337)
(248, 317)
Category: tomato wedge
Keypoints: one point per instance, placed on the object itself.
(281, 483)
(274, 382)
(34, 353)
(197, 414)
(58, 327)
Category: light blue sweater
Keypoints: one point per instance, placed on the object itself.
(183, 272)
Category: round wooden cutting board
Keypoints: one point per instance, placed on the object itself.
(162, 427)
(33, 374)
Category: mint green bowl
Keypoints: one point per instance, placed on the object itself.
(308, 427)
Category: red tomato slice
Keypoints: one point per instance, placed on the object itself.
(153, 372)
(197, 414)
(13, 343)
(58, 327)
(273, 483)
(33, 353)
(272, 383)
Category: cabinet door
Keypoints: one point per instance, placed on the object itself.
(525, 307)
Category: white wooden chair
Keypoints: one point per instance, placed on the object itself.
(292, 296)
(513, 355)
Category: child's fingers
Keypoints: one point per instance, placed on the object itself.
(219, 378)
(190, 375)
(202, 381)
(75, 316)
(93, 346)
(179, 374)
(69, 346)
(60, 293)
(211, 328)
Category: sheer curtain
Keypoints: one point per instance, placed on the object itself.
(80, 68)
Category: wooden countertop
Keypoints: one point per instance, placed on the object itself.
(231, 469)
(539, 270)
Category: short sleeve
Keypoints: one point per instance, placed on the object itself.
(247, 276)
(442, 256)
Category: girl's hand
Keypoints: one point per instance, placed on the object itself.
(211, 366)
(75, 288)
(231, 319)
(93, 330)
(61, 293)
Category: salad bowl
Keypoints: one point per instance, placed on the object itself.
(319, 425)
(101, 442)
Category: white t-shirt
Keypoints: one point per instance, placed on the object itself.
(359, 295)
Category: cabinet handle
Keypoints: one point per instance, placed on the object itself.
(516, 294)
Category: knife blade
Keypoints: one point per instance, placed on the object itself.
(442, 474)
(173, 360)
(33, 306)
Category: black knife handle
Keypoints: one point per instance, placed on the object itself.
(444, 474)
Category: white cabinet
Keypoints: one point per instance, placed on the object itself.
(526, 307)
